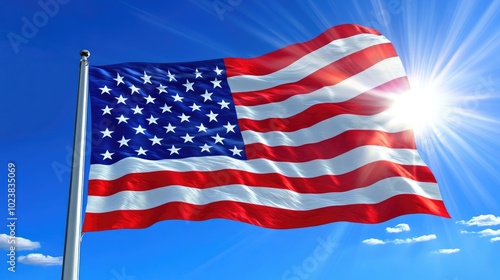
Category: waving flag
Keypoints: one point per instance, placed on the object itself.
(299, 137)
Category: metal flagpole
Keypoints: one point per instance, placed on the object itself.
(71, 259)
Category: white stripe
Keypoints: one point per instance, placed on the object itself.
(344, 163)
(386, 121)
(276, 198)
(378, 74)
(307, 64)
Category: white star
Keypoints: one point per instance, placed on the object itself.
(161, 89)
(107, 154)
(152, 120)
(177, 98)
(141, 151)
(174, 150)
(150, 99)
(217, 70)
(106, 133)
(139, 129)
(216, 83)
(118, 79)
(137, 110)
(201, 127)
(197, 73)
(223, 104)
(229, 127)
(146, 78)
(155, 140)
(205, 148)
(218, 139)
(207, 95)
(170, 128)
(121, 99)
(123, 141)
(134, 89)
(122, 119)
(184, 118)
(106, 110)
(105, 89)
(236, 151)
(212, 116)
(188, 85)
(171, 76)
(187, 138)
(166, 108)
(195, 107)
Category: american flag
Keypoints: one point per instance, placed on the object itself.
(299, 137)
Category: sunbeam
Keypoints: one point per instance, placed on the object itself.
(453, 90)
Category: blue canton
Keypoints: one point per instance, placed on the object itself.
(162, 111)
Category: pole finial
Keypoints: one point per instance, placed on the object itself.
(85, 54)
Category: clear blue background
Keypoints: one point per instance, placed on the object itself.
(451, 44)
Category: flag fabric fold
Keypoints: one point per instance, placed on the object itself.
(298, 137)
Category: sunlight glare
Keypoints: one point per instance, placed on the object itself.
(421, 107)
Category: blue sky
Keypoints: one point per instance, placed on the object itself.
(448, 48)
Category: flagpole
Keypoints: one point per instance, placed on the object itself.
(71, 259)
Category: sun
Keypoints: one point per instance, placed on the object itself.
(421, 107)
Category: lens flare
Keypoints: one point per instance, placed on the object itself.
(421, 107)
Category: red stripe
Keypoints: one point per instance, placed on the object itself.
(364, 176)
(332, 147)
(265, 216)
(369, 103)
(329, 75)
(281, 58)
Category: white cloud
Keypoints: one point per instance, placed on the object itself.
(398, 228)
(39, 259)
(446, 251)
(495, 239)
(483, 233)
(373, 241)
(489, 232)
(482, 221)
(422, 238)
(20, 243)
